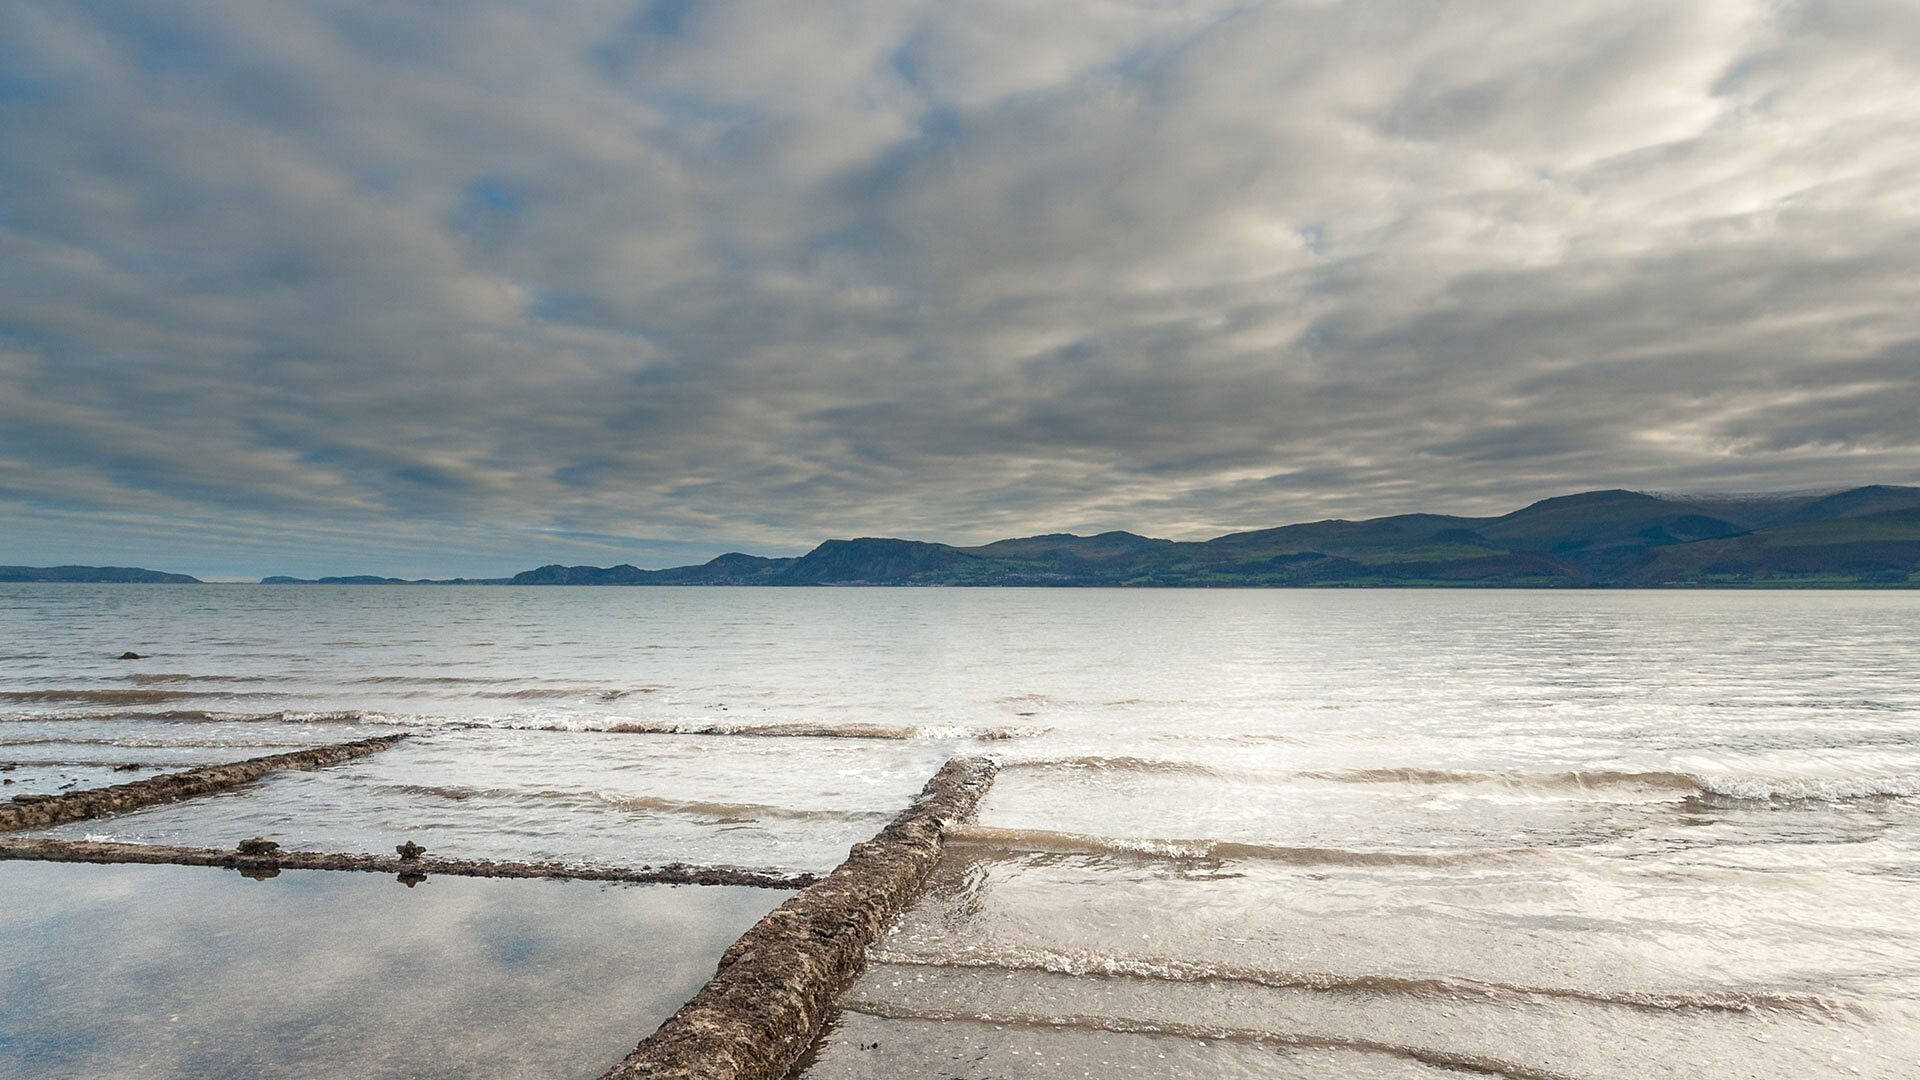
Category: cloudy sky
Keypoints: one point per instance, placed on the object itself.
(432, 288)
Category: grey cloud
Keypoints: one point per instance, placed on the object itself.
(326, 287)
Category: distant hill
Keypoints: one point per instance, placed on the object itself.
(1864, 537)
(95, 574)
(370, 579)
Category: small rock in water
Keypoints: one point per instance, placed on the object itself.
(410, 850)
(259, 845)
(131, 766)
(131, 656)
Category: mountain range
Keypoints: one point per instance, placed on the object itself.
(1867, 536)
(1862, 537)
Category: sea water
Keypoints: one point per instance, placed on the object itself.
(1262, 833)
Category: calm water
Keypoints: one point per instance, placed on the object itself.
(185, 972)
(1541, 834)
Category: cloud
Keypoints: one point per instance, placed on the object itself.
(330, 287)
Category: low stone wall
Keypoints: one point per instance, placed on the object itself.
(776, 986)
(261, 863)
(44, 811)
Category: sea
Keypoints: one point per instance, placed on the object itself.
(1543, 835)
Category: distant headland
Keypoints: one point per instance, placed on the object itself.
(95, 575)
(1863, 537)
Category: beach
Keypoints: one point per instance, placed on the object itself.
(1377, 833)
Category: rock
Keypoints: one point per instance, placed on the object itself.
(776, 986)
(131, 766)
(259, 845)
(410, 850)
(172, 787)
(131, 656)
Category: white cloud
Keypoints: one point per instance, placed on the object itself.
(754, 274)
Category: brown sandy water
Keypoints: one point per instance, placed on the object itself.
(1373, 834)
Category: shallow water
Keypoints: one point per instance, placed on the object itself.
(189, 972)
(1386, 833)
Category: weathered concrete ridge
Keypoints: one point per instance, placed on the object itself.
(776, 985)
(247, 860)
(39, 812)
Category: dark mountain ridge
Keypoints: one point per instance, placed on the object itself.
(1863, 537)
(95, 575)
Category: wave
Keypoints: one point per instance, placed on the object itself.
(111, 697)
(1441, 987)
(1842, 704)
(155, 744)
(146, 678)
(420, 680)
(1095, 763)
(1683, 784)
(767, 729)
(1062, 843)
(555, 693)
(720, 813)
(1446, 1059)
(772, 729)
(103, 763)
(216, 716)
(1571, 780)
(1660, 783)
(1810, 788)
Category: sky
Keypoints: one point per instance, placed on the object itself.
(433, 288)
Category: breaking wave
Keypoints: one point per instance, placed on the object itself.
(1812, 788)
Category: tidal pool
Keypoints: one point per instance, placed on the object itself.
(189, 972)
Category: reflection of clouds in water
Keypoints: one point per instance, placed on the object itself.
(189, 972)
